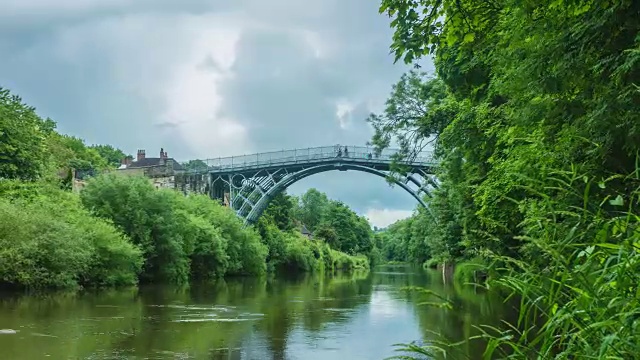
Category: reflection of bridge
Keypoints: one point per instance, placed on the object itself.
(247, 183)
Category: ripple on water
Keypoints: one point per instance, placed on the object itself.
(338, 309)
(197, 307)
(214, 313)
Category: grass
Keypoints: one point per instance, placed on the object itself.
(576, 278)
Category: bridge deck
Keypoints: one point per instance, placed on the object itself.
(311, 156)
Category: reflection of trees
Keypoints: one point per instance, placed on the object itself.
(141, 323)
(399, 276)
(304, 301)
(471, 306)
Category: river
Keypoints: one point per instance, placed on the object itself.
(357, 316)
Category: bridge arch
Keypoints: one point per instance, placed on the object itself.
(292, 178)
(247, 183)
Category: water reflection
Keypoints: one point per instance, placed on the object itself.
(357, 316)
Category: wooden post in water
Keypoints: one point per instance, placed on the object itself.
(444, 275)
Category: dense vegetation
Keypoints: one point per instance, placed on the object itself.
(533, 114)
(119, 230)
(346, 238)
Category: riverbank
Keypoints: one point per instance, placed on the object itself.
(120, 231)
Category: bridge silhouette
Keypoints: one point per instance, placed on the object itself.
(247, 183)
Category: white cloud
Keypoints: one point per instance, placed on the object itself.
(320, 48)
(193, 98)
(174, 69)
(343, 113)
(385, 217)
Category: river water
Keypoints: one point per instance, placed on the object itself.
(357, 316)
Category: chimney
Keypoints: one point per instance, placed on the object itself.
(141, 155)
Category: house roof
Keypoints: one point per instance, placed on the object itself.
(305, 231)
(146, 162)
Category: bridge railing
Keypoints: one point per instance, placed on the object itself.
(309, 155)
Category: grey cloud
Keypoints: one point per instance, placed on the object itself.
(209, 64)
(280, 90)
(43, 15)
(80, 88)
(168, 124)
(286, 95)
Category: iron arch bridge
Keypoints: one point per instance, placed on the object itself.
(247, 183)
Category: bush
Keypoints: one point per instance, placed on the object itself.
(209, 258)
(115, 261)
(121, 228)
(301, 254)
(290, 251)
(148, 217)
(375, 257)
(586, 284)
(345, 262)
(469, 271)
(39, 250)
(182, 237)
(50, 241)
(578, 278)
(430, 264)
(327, 256)
(245, 252)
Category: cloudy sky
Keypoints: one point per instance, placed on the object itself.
(209, 78)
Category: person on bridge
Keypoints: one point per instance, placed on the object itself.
(346, 152)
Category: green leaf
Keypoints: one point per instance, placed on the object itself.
(618, 201)
(469, 37)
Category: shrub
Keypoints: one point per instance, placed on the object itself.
(182, 237)
(38, 250)
(469, 271)
(149, 218)
(209, 258)
(245, 251)
(48, 240)
(301, 254)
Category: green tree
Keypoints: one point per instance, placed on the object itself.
(112, 155)
(195, 165)
(23, 133)
(312, 208)
(147, 216)
(280, 212)
(537, 96)
(353, 233)
(71, 152)
(416, 112)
